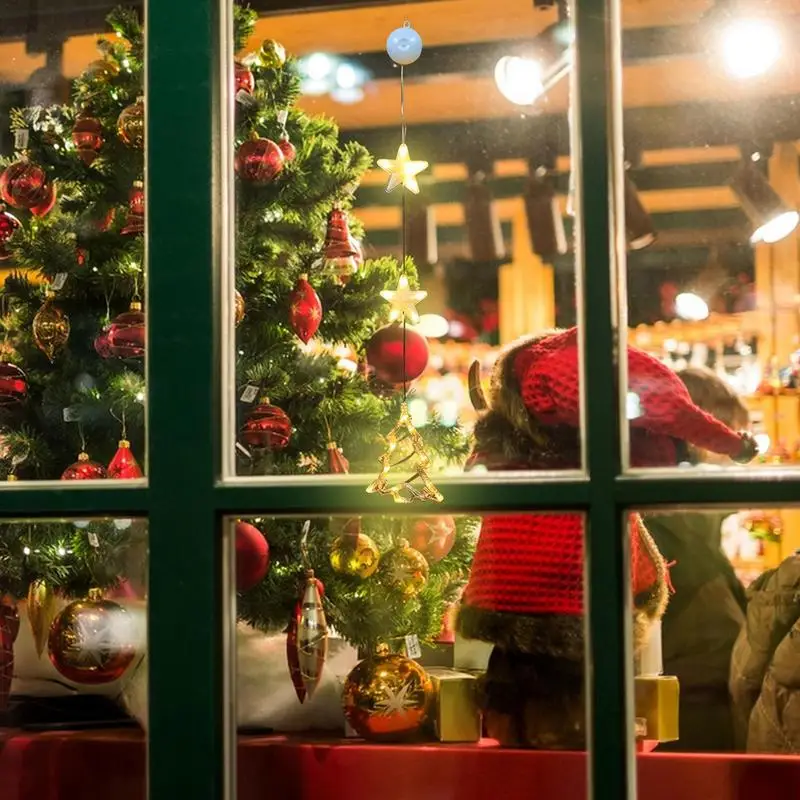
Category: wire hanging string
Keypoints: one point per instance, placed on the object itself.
(403, 216)
(402, 105)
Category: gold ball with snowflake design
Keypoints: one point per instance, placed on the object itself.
(387, 697)
(405, 569)
(91, 640)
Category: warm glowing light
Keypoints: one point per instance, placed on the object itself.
(346, 76)
(432, 326)
(763, 442)
(750, 47)
(777, 228)
(690, 306)
(318, 66)
(519, 79)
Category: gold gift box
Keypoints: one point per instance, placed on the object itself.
(656, 700)
(454, 715)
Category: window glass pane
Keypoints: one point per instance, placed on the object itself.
(356, 631)
(73, 673)
(711, 195)
(729, 638)
(72, 325)
(317, 366)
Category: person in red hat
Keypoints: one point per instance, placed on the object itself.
(525, 591)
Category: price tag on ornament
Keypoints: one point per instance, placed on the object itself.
(71, 414)
(249, 394)
(93, 540)
(59, 281)
(245, 99)
(413, 650)
(21, 137)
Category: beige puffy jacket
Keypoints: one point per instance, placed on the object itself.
(765, 667)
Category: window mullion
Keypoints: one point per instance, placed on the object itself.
(188, 735)
(596, 81)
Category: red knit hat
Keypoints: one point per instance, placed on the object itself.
(528, 569)
(547, 372)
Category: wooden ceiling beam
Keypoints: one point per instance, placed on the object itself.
(657, 202)
(689, 125)
(460, 98)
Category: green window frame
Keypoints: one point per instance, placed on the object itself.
(191, 732)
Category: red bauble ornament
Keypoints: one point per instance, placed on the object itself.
(305, 309)
(337, 463)
(8, 225)
(252, 556)
(267, 426)
(13, 385)
(288, 149)
(80, 256)
(134, 222)
(123, 466)
(243, 78)
(385, 354)
(84, 469)
(259, 161)
(91, 641)
(87, 136)
(126, 333)
(433, 537)
(101, 344)
(9, 628)
(48, 201)
(342, 253)
(23, 184)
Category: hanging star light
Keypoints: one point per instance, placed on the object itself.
(403, 301)
(402, 170)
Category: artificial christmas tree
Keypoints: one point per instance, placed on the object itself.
(76, 241)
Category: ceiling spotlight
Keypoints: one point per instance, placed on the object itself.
(749, 47)
(524, 80)
(482, 221)
(691, 307)
(346, 76)
(545, 223)
(771, 218)
(318, 66)
(519, 79)
(638, 223)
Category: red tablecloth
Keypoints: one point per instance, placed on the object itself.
(111, 766)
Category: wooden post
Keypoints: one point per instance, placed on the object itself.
(526, 287)
(777, 293)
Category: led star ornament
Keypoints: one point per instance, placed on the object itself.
(402, 170)
(403, 301)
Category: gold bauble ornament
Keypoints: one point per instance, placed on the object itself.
(387, 697)
(130, 124)
(102, 69)
(355, 554)
(272, 54)
(41, 606)
(92, 641)
(238, 307)
(405, 569)
(50, 328)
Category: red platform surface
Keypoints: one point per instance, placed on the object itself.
(111, 766)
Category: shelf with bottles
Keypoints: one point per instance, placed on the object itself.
(754, 541)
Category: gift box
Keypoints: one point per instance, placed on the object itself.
(454, 715)
(471, 655)
(656, 700)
